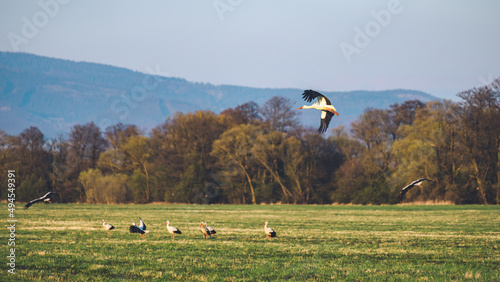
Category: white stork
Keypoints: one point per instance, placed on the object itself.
(269, 231)
(45, 198)
(107, 227)
(405, 189)
(204, 230)
(210, 229)
(172, 230)
(139, 229)
(322, 104)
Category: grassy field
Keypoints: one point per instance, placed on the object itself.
(67, 242)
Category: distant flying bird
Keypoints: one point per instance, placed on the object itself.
(139, 229)
(204, 230)
(45, 198)
(269, 231)
(107, 227)
(405, 189)
(172, 230)
(210, 229)
(322, 104)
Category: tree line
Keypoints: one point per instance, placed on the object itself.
(255, 154)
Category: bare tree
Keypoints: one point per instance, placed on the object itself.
(244, 114)
(118, 134)
(279, 114)
(480, 123)
(85, 145)
(30, 147)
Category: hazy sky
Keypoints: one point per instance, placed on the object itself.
(440, 47)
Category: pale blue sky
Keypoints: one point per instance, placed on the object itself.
(440, 47)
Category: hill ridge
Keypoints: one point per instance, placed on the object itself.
(54, 94)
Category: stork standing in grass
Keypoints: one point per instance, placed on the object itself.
(405, 189)
(269, 231)
(322, 104)
(139, 229)
(172, 230)
(210, 229)
(107, 227)
(45, 198)
(204, 230)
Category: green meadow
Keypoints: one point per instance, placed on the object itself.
(61, 242)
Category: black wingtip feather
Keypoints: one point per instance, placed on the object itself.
(310, 95)
(400, 197)
(325, 122)
(135, 229)
(322, 127)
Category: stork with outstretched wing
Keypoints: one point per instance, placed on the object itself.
(405, 189)
(322, 104)
(45, 198)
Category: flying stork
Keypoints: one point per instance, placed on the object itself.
(204, 230)
(322, 104)
(107, 227)
(139, 229)
(405, 189)
(45, 198)
(210, 229)
(269, 231)
(172, 230)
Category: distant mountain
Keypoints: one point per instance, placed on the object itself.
(55, 94)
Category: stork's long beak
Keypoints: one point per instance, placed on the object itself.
(333, 112)
(300, 108)
(165, 223)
